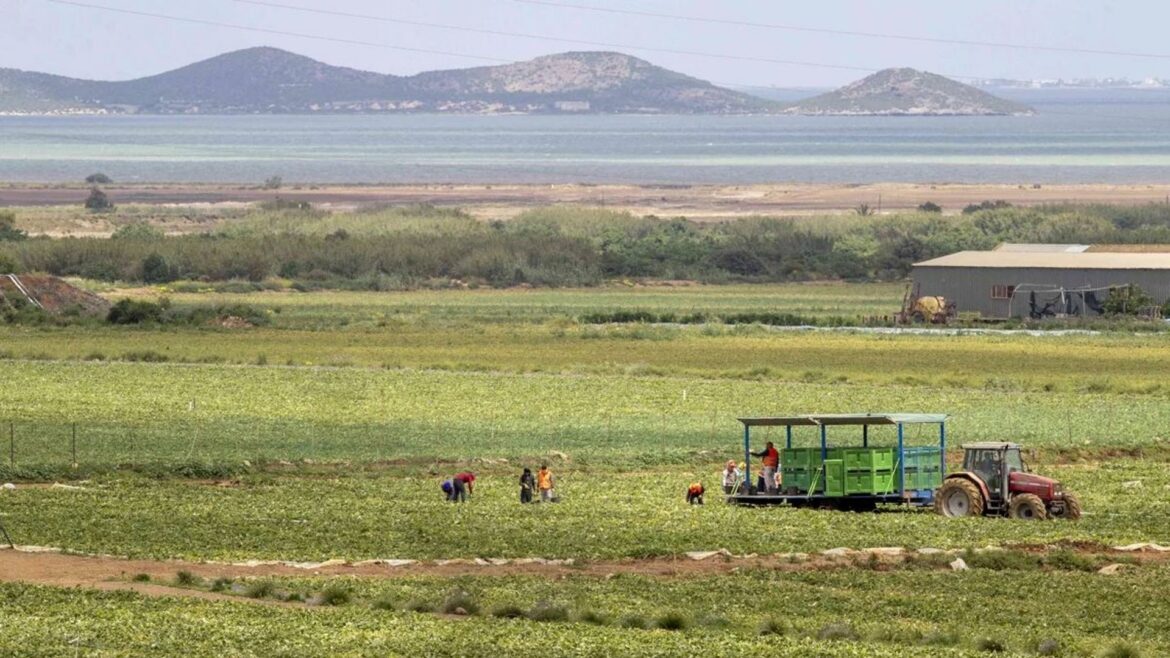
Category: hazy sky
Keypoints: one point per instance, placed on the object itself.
(86, 42)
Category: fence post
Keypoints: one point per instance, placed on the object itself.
(11, 443)
(74, 445)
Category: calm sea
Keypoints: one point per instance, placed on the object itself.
(1077, 137)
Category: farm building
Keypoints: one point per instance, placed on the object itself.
(1022, 280)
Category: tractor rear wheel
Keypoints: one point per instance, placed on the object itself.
(958, 497)
(1027, 507)
(1071, 509)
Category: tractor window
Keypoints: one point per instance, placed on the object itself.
(1013, 461)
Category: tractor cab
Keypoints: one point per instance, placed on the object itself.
(994, 463)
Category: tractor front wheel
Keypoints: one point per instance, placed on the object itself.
(1071, 509)
(958, 497)
(1027, 507)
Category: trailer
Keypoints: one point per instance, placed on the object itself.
(855, 477)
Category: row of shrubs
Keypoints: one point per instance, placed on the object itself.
(561, 246)
(635, 316)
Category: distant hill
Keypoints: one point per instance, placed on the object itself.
(907, 91)
(269, 80)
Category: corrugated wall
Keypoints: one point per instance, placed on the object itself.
(971, 287)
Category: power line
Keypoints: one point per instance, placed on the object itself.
(852, 33)
(543, 37)
(263, 30)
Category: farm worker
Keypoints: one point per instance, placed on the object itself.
(544, 482)
(458, 491)
(771, 461)
(467, 478)
(447, 488)
(731, 476)
(695, 493)
(527, 486)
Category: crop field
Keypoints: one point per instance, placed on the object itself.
(324, 434)
(842, 613)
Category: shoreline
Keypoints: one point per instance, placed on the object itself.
(501, 201)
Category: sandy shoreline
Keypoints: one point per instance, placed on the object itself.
(694, 201)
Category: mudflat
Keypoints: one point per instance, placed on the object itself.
(712, 202)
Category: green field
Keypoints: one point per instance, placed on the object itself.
(324, 434)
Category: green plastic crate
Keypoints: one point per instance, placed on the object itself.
(834, 477)
(869, 459)
(922, 457)
(800, 480)
(925, 478)
(869, 482)
(800, 458)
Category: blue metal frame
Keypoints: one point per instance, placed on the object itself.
(901, 461)
(747, 458)
(903, 495)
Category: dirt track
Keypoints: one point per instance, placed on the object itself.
(113, 573)
(696, 202)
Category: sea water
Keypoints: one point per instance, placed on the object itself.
(1077, 136)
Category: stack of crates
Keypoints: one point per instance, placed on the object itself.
(798, 468)
(865, 470)
(923, 468)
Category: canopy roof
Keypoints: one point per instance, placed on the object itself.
(846, 419)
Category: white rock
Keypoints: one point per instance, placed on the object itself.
(959, 565)
(703, 555)
(929, 551)
(1111, 569)
(9, 486)
(1132, 484)
(1143, 546)
(886, 550)
(837, 552)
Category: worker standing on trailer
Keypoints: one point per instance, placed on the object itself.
(544, 482)
(771, 462)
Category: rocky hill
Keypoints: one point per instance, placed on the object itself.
(276, 81)
(907, 91)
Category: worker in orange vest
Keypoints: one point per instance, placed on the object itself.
(544, 482)
(771, 462)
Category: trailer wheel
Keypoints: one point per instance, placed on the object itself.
(1071, 509)
(1027, 507)
(958, 497)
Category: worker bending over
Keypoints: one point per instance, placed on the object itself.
(695, 493)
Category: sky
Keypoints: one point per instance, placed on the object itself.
(42, 35)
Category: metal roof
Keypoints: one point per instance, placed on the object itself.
(1037, 260)
(989, 445)
(846, 419)
(1032, 247)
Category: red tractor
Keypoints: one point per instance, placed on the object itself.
(995, 482)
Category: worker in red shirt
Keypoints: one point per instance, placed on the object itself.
(771, 462)
(463, 484)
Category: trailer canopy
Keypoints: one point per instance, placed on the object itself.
(845, 419)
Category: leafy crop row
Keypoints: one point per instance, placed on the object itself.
(603, 514)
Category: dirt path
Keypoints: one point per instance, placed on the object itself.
(70, 570)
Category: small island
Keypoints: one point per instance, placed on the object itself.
(908, 92)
